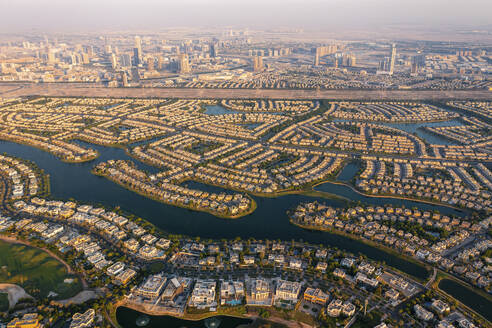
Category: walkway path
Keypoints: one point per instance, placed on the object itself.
(431, 280)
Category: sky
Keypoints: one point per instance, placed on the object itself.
(91, 15)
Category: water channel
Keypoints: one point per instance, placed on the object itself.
(468, 297)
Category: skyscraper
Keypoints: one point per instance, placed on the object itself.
(392, 59)
(214, 51)
(184, 65)
(418, 62)
(150, 63)
(114, 61)
(107, 49)
(316, 57)
(352, 61)
(125, 60)
(90, 51)
(257, 63)
(135, 74)
(51, 57)
(137, 51)
(137, 56)
(384, 66)
(160, 62)
(138, 42)
(85, 58)
(124, 79)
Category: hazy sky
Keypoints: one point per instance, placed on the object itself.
(81, 15)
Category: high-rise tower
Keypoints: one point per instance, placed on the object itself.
(137, 51)
(184, 65)
(257, 63)
(392, 59)
(214, 51)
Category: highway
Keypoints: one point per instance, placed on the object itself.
(8, 90)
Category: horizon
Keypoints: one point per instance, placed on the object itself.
(336, 16)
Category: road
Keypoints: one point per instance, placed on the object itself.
(88, 90)
(431, 280)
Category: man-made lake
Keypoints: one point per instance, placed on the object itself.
(349, 171)
(128, 318)
(348, 193)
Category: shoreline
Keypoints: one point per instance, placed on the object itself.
(250, 210)
(195, 317)
(284, 192)
(184, 316)
(444, 275)
(389, 196)
(374, 245)
(49, 152)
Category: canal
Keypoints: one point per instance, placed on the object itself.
(467, 296)
(268, 221)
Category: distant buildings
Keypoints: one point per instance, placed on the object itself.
(214, 51)
(137, 55)
(323, 51)
(316, 58)
(150, 64)
(124, 79)
(51, 57)
(392, 59)
(114, 62)
(125, 60)
(257, 64)
(184, 65)
(348, 60)
(418, 62)
(137, 51)
(387, 65)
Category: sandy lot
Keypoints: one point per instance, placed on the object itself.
(15, 293)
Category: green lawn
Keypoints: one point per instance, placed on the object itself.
(4, 302)
(35, 271)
